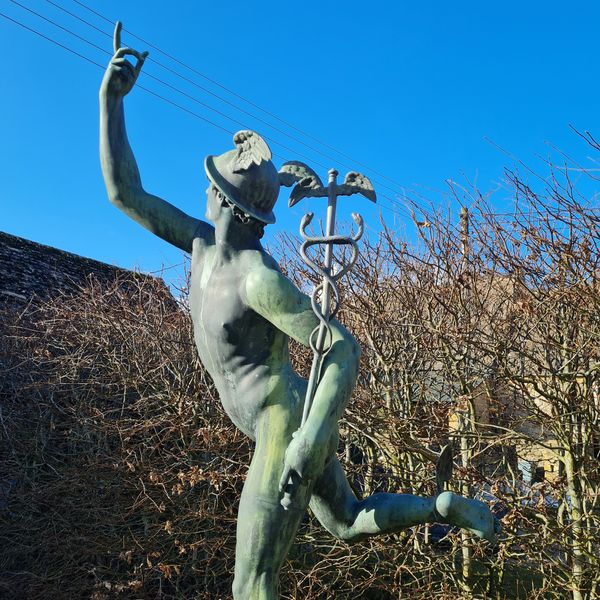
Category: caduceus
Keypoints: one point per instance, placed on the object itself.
(308, 185)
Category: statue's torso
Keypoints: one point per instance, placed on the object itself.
(244, 353)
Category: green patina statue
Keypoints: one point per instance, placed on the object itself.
(244, 310)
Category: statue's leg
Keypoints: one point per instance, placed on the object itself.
(264, 530)
(342, 514)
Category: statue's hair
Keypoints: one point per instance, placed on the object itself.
(255, 225)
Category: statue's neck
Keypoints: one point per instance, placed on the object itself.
(232, 237)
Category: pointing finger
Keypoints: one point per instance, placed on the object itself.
(117, 36)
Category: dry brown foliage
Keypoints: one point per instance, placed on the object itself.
(120, 473)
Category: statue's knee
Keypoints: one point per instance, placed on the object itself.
(347, 533)
(444, 504)
(344, 530)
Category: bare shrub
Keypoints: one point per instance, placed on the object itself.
(120, 473)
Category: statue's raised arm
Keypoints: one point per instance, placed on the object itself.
(120, 170)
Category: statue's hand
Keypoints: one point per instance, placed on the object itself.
(304, 461)
(121, 75)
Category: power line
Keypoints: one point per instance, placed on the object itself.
(225, 100)
(196, 100)
(72, 14)
(393, 209)
(233, 93)
(93, 62)
(51, 40)
(396, 207)
(161, 81)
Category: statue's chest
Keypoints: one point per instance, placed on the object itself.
(215, 303)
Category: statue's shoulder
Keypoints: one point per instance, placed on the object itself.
(260, 266)
(202, 257)
(256, 259)
(268, 290)
(204, 236)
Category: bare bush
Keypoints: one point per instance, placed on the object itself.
(120, 473)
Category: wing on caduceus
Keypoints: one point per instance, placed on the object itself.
(356, 183)
(306, 180)
(251, 149)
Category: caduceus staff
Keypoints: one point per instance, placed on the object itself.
(308, 185)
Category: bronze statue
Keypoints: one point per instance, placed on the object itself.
(244, 310)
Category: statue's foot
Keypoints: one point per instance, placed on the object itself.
(469, 514)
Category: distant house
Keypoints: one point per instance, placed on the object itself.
(503, 408)
(497, 407)
(491, 407)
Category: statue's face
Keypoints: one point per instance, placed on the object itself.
(212, 203)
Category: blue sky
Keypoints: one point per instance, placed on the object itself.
(411, 90)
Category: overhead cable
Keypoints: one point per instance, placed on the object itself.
(395, 208)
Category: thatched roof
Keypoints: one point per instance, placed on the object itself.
(30, 270)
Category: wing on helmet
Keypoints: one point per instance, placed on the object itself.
(251, 149)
